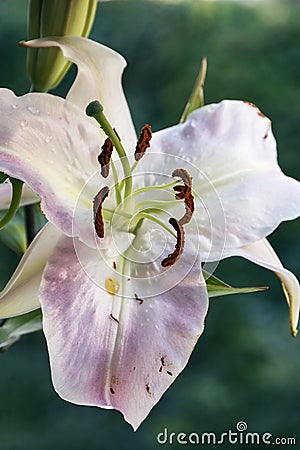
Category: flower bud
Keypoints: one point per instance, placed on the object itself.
(46, 67)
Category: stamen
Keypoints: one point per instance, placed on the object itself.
(185, 193)
(173, 257)
(143, 142)
(104, 157)
(97, 206)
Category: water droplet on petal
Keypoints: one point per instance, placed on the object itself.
(48, 139)
(24, 123)
(33, 110)
(112, 285)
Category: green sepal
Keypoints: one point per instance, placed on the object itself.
(217, 287)
(13, 234)
(3, 177)
(12, 329)
(46, 67)
(196, 99)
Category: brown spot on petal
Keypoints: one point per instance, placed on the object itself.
(254, 106)
(138, 299)
(173, 257)
(97, 206)
(162, 360)
(143, 142)
(114, 318)
(112, 391)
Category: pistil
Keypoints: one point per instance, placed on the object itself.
(95, 110)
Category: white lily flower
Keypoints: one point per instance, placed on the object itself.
(120, 326)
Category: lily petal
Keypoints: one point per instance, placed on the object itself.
(99, 76)
(262, 253)
(28, 197)
(21, 292)
(52, 146)
(233, 151)
(112, 351)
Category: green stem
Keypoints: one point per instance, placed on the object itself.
(154, 188)
(143, 215)
(134, 165)
(3, 177)
(29, 223)
(156, 204)
(17, 187)
(117, 185)
(113, 211)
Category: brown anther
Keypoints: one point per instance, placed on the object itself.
(97, 206)
(114, 265)
(143, 142)
(173, 257)
(111, 390)
(184, 175)
(104, 157)
(169, 373)
(148, 388)
(185, 193)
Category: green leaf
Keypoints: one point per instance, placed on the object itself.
(13, 234)
(12, 329)
(217, 287)
(196, 99)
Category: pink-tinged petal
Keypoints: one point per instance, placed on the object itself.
(21, 292)
(28, 197)
(99, 76)
(112, 351)
(52, 146)
(233, 150)
(262, 253)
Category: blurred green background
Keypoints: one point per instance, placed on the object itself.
(246, 366)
